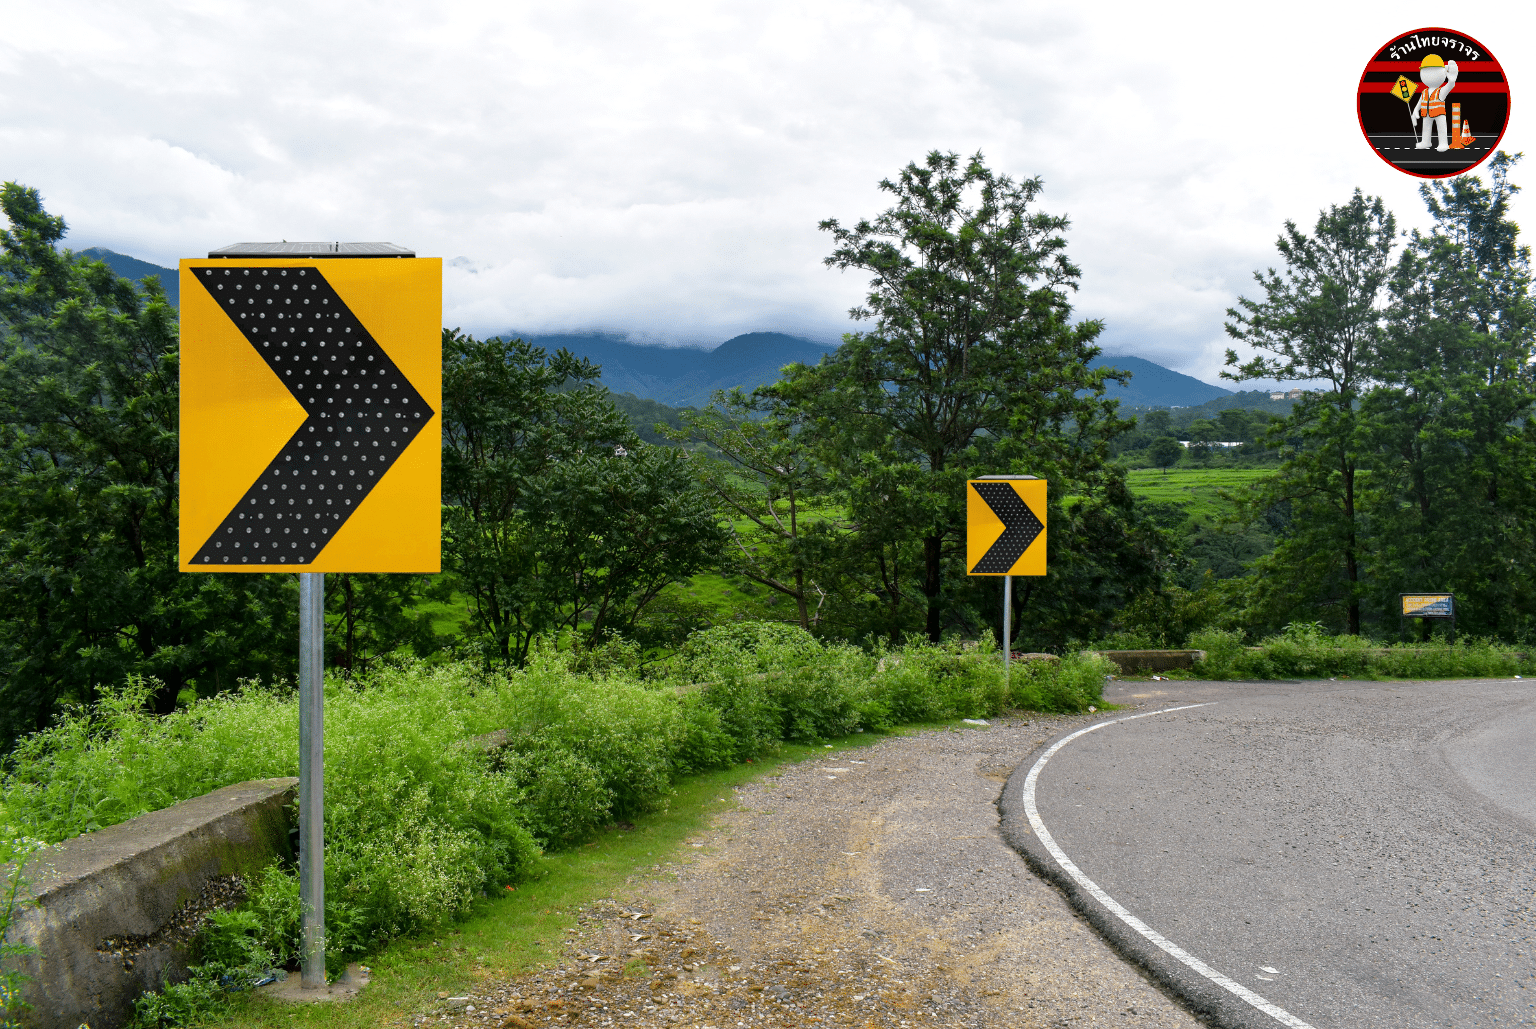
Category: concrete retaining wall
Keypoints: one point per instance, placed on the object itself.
(1130, 661)
(112, 913)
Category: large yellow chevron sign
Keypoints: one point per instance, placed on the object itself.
(1005, 526)
(310, 393)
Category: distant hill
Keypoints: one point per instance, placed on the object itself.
(685, 376)
(689, 376)
(644, 414)
(137, 270)
(1152, 385)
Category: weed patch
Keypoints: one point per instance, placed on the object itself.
(1304, 651)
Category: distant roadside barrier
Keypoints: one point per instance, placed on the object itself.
(1130, 662)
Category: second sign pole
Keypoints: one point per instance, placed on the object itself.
(312, 777)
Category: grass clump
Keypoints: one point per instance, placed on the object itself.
(1307, 651)
(14, 853)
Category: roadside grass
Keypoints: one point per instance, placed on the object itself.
(1305, 651)
(1196, 490)
(522, 930)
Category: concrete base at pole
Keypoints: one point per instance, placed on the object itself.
(312, 778)
(293, 991)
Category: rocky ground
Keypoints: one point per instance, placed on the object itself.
(870, 889)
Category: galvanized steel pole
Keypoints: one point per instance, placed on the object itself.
(312, 776)
(1007, 625)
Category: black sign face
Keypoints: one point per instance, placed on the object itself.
(1433, 103)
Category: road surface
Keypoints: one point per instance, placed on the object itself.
(1326, 854)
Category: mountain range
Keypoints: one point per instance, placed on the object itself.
(685, 376)
(681, 376)
(137, 270)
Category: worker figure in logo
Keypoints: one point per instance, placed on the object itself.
(1439, 79)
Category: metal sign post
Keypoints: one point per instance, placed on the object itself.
(1007, 625)
(311, 381)
(1005, 536)
(312, 776)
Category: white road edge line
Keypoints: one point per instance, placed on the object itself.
(1156, 938)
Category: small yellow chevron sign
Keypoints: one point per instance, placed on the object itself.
(1005, 526)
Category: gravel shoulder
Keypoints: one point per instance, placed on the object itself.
(870, 888)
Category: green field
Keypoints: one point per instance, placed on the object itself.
(1196, 490)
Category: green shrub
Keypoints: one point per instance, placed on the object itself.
(1225, 654)
(562, 797)
(202, 997)
(705, 743)
(769, 682)
(272, 895)
(421, 817)
(416, 822)
(15, 851)
(1304, 650)
(929, 682)
(1142, 639)
(1071, 684)
(236, 939)
(623, 729)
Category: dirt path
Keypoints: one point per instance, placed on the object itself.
(868, 889)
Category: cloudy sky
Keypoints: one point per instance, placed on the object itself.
(660, 168)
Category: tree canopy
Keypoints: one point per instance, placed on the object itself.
(89, 591)
(972, 364)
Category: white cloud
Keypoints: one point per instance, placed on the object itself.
(660, 168)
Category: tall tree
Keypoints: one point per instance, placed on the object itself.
(1165, 452)
(89, 588)
(1321, 322)
(971, 343)
(1452, 461)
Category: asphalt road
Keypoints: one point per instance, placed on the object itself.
(1328, 854)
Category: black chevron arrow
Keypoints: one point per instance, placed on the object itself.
(361, 413)
(1020, 528)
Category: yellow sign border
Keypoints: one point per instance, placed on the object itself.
(982, 527)
(236, 415)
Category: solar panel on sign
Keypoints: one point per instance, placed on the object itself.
(287, 249)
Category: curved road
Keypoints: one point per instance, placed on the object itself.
(1327, 854)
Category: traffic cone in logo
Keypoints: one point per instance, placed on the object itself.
(1466, 138)
(1456, 143)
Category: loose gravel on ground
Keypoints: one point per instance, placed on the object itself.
(870, 888)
